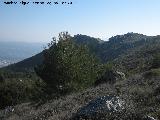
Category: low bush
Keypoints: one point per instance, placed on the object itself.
(156, 61)
(152, 73)
(16, 91)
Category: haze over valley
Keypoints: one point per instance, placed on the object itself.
(12, 52)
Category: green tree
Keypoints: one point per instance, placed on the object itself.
(67, 66)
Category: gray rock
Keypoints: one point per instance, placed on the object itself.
(121, 75)
(101, 105)
(149, 118)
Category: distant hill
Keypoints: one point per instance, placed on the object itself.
(120, 44)
(118, 48)
(11, 52)
(93, 43)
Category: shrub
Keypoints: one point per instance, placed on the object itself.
(16, 91)
(156, 61)
(152, 73)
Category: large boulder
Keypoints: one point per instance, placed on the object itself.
(100, 107)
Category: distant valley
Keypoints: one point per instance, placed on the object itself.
(12, 52)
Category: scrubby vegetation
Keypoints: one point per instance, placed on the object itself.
(156, 61)
(19, 87)
(72, 71)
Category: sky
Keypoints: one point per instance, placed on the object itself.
(97, 18)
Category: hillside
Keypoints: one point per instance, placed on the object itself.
(138, 96)
(139, 58)
(120, 44)
(126, 87)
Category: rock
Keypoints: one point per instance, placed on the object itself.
(121, 75)
(110, 77)
(99, 106)
(149, 118)
(9, 109)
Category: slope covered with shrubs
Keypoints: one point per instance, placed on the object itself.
(71, 75)
(140, 96)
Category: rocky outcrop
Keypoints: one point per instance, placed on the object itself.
(99, 107)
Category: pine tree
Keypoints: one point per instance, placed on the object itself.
(67, 66)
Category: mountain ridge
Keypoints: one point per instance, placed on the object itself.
(105, 50)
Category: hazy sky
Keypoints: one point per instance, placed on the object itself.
(97, 18)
